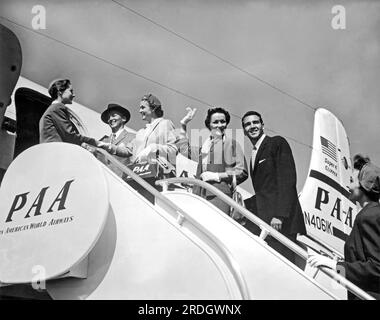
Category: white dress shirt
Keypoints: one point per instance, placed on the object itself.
(115, 135)
(254, 153)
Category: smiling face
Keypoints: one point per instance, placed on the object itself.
(68, 95)
(253, 127)
(146, 111)
(218, 122)
(116, 120)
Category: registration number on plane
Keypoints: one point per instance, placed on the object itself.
(318, 222)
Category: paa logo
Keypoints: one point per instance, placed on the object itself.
(20, 201)
(141, 169)
(337, 212)
(53, 196)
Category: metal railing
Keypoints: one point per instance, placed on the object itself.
(266, 229)
(231, 263)
(324, 249)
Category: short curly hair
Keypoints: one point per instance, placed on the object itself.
(214, 110)
(59, 85)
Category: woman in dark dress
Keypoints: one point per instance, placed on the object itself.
(361, 263)
(219, 159)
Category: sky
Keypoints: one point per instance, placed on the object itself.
(124, 54)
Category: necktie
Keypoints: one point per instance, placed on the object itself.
(113, 138)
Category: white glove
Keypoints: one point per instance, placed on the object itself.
(189, 116)
(316, 260)
(145, 154)
(106, 146)
(210, 176)
(216, 133)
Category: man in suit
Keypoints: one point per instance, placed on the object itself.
(273, 175)
(119, 143)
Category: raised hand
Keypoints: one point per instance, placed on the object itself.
(189, 116)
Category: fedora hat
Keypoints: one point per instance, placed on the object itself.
(113, 106)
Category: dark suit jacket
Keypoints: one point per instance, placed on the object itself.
(55, 126)
(362, 251)
(274, 180)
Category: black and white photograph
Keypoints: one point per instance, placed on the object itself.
(214, 150)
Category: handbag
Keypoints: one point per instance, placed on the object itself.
(238, 198)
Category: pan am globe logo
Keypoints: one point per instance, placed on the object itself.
(53, 206)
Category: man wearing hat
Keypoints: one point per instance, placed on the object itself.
(361, 263)
(119, 142)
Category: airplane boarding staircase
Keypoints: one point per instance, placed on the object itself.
(98, 238)
(73, 229)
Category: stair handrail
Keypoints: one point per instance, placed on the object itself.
(266, 229)
(232, 264)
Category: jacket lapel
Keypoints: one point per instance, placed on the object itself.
(260, 152)
(149, 131)
(121, 136)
